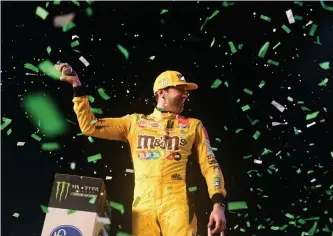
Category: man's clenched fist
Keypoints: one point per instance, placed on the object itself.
(73, 78)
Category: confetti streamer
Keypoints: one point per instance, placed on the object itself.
(216, 84)
(103, 94)
(95, 157)
(117, 206)
(42, 109)
(233, 206)
(123, 51)
(263, 50)
(47, 67)
(266, 18)
(325, 65)
(31, 67)
(41, 12)
(232, 47)
(290, 16)
(84, 61)
(52, 146)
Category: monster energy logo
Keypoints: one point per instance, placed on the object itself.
(62, 189)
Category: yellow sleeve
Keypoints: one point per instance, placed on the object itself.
(106, 128)
(210, 169)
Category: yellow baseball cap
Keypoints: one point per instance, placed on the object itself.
(172, 78)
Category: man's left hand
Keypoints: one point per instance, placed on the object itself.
(218, 219)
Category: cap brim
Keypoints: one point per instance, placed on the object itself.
(191, 86)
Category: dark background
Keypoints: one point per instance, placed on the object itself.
(28, 172)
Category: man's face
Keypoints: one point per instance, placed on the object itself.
(175, 98)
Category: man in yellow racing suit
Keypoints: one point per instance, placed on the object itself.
(161, 144)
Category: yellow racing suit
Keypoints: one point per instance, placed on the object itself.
(160, 144)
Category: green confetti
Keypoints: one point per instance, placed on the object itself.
(248, 91)
(256, 135)
(96, 110)
(304, 108)
(36, 137)
(93, 122)
(299, 3)
(246, 107)
(201, 28)
(218, 140)
(91, 99)
(75, 43)
(93, 200)
(254, 122)
(214, 14)
(123, 51)
(226, 84)
(164, 11)
(262, 84)
(312, 115)
(31, 67)
(69, 212)
(41, 12)
(290, 99)
(298, 171)
(89, 11)
(266, 18)
(285, 28)
(240, 46)
(313, 229)
(313, 29)
(91, 139)
(70, 25)
(266, 151)
(238, 130)
(214, 149)
(20, 144)
(117, 206)
(6, 121)
(47, 4)
(44, 208)
(216, 84)
(323, 82)
(47, 67)
(227, 4)
(48, 50)
(332, 154)
(247, 157)
(328, 8)
(263, 50)
(296, 17)
(290, 216)
(225, 128)
(76, 2)
(9, 131)
(232, 47)
(275, 227)
(325, 65)
(318, 41)
(193, 189)
(275, 63)
(95, 157)
(233, 206)
(56, 2)
(42, 109)
(16, 215)
(79, 134)
(103, 94)
(52, 146)
(119, 233)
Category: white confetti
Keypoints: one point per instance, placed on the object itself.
(108, 177)
(20, 144)
(211, 45)
(84, 61)
(276, 45)
(290, 16)
(152, 57)
(309, 23)
(276, 123)
(103, 220)
(309, 125)
(278, 153)
(257, 161)
(129, 170)
(73, 165)
(278, 106)
(75, 37)
(313, 180)
(62, 20)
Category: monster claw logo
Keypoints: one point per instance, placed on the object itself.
(62, 186)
